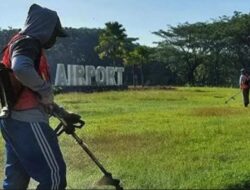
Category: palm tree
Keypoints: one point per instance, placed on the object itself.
(112, 42)
(137, 58)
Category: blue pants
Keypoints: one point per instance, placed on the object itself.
(32, 151)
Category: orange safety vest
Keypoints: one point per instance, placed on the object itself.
(27, 98)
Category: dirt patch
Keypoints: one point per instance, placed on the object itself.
(152, 88)
(199, 90)
(126, 143)
(216, 111)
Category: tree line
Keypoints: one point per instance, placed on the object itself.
(198, 54)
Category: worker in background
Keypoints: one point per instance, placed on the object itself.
(244, 86)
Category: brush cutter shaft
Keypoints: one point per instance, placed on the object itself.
(78, 123)
(91, 155)
(108, 179)
(232, 97)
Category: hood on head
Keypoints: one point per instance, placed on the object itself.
(41, 23)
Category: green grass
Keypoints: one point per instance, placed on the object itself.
(186, 138)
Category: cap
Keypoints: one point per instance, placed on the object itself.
(60, 30)
(242, 70)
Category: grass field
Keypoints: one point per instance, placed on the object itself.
(184, 138)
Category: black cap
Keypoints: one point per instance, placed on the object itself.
(60, 30)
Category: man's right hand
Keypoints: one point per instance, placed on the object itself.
(69, 120)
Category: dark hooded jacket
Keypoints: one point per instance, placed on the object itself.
(41, 28)
(41, 23)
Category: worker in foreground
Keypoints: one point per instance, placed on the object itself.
(32, 149)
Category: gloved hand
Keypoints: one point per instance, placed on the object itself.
(72, 120)
(71, 117)
(69, 120)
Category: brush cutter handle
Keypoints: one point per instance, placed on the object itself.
(79, 124)
(68, 121)
(69, 129)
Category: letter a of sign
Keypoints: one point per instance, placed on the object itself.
(61, 78)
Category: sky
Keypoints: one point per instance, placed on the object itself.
(139, 17)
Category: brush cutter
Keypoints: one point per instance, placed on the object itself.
(232, 97)
(69, 127)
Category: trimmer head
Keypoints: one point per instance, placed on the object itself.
(109, 180)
